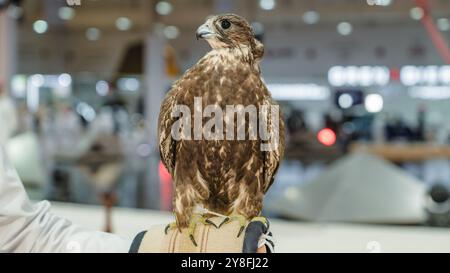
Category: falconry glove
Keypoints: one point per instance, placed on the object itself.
(258, 235)
(211, 238)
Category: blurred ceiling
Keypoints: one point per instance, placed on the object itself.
(76, 51)
(103, 13)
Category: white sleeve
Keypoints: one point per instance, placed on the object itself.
(25, 227)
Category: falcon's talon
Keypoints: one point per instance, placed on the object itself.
(171, 226)
(211, 223)
(192, 239)
(240, 231)
(239, 218)
(193, 222)
(226, 220)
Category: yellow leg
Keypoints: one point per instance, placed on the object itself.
(173, 225)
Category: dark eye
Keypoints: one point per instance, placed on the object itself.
(225, 24)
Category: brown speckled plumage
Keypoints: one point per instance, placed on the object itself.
(223, 176)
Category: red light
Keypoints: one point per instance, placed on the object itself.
(395, 74)
(164, 174)
(165, 187)
(327, 137)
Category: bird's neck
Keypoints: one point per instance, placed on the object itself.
(233, 55)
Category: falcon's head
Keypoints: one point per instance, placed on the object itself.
(230, 31)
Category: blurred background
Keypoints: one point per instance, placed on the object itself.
(364, 85)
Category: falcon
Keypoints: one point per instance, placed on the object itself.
(223, 176)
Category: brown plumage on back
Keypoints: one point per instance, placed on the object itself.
(225, 176)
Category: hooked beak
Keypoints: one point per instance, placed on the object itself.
(204, 32)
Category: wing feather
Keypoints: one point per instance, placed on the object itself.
(272, 158)
(167, 145)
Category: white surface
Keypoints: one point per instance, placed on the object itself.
(289, 236)
(357, 188)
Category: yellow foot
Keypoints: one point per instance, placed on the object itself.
(194, 221)
(236, 217)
